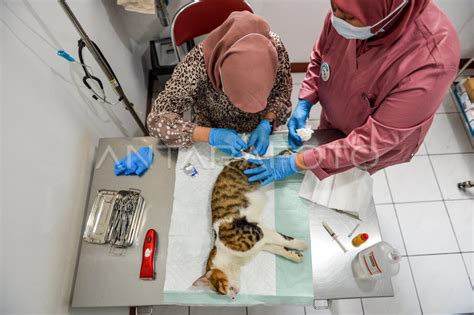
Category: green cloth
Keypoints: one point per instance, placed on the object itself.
(294, 281)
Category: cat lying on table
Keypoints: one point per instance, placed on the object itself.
(236, 205)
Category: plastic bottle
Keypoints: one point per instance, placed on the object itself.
(360, 239)
(378, 261)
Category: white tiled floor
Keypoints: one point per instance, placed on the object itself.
(276, 310)
(405, 300)
(425, 228)
(442, 283)
(447, 135)
(451, 169)
(218, 311)
(381, 190)
(469, 260)
(170, 310)
(461, 213)
(448, 105)
(430, 217)
(311, 311)
(420, 185)
(423, 214)
(422, 150)
(350, 306)
(389, 226)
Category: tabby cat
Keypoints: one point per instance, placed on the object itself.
(236, 205)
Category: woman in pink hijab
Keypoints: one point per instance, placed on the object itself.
(237, 80)
(380, 70)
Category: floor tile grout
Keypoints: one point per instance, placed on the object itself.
(362, 306)
(383, 203)
(404, 245)
(407, 256)
(388, 185)
(441, 113)
(450, 221)
(462, 121)
(443, 154)
(408, 260)
(438, 254)
(423, 201)
(450, 112)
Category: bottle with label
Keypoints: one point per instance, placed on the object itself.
(378, 261)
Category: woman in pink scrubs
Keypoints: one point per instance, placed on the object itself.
(380, 70)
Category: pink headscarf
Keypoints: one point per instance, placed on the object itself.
(372, 11)
(241, 60)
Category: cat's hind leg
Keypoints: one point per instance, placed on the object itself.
(272, 237)
(285, 252)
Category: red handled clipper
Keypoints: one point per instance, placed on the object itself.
(147, 271)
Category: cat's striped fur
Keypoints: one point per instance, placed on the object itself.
(236, 205)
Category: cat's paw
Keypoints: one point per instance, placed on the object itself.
(295, 255)
(299, 244)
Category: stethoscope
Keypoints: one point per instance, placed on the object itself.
(89, 77)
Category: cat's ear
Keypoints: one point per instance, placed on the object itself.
(202, 281)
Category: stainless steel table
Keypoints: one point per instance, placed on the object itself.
(332, 268)
(103, 279)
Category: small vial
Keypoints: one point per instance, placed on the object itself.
(190, 170)
(360, 239)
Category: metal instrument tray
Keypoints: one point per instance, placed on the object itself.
(114, 218)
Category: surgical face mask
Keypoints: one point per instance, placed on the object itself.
(349, 31)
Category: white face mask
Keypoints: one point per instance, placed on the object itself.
(349, 31)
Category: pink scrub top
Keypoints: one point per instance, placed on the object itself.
(382, 97)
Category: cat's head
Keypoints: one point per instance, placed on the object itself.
(218, 281)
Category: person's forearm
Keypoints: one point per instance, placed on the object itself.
(270, 116)
(201, 134)
(299, 162)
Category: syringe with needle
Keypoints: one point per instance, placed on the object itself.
(334, 236)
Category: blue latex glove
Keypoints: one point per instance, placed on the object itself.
(135, 163)
(270, 170)
(227, 140)
(260, 138)
(297, 121)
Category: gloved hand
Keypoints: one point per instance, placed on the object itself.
(135, 163)
(227, 140)
(270, 170)
(297, 121)
(259, 139)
